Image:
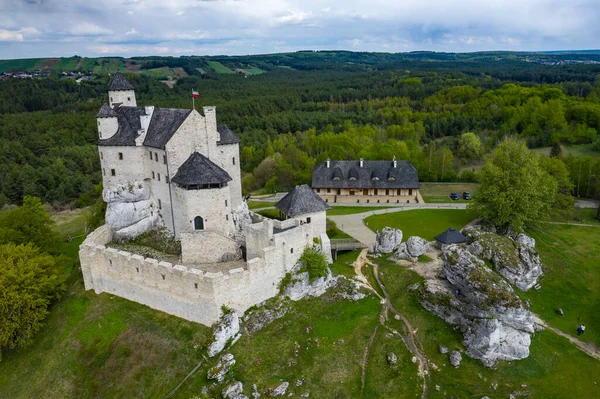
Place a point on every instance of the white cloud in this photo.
(89, 29)
(132, 32)
(10, 36)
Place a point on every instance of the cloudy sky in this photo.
(52, 28)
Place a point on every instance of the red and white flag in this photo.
(195, 94)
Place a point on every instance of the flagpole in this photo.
(193, 100)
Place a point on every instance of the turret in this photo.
(107, 122)
(121, 92)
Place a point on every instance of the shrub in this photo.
(315, 263)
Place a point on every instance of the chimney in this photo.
(328, 162)
(395, 162)
(361, 162)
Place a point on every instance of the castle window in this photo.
(150, 152)
(328, 190)
(159, 177)
(167, 179)
(318, 190)
(196, 285)
(307, 220)
(410, 191)
(101, 155)
(234, 160)
(225, 202)
(159, 204)
(137, 269)
(111, 99)
(128, 98)
(376, 192)
(153, 175)
(110, 261)
(226, 217)
(165, 159)
(198, 223)
(113, 172)
(104, 171)
(398, 192)
(163, 276)
(291, 250)
(156, 157)
(120, 156)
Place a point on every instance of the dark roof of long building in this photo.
(119, 83)
(373, 174)
(106, 112)
(163, 125)
(199, 170)
(129, 124)
(301, 200)
(451, 236)
(227, 136)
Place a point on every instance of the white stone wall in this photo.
(229, 159)
(157, 176)
(128, 169)
(213, 205)
(107, 127)
(206, 247)
(318, 222)
(124, 97)
(189, 138)
(187, 291)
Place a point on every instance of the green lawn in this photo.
(426, 223)
(445, 189)
(334, 232)
(578, 150)
(571, 279)
(66, 64)
(554, 369)
(349, 210)
(259, 204)
(580, 215)
(254, 70)
(272, 213)
(434, 199)
(27, 64)
(218, 67)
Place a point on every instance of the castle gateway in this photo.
(366, 182)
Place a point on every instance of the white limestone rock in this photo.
(496, 323)
(227, 328)
(222, 367)
(514, 258)
(455, 358)
(392, 358)
(387, 240)
(131, 192)
(261, 318)
(301, 286)
(280, 390)
(241, 218)
(416, 246)
(234, 391)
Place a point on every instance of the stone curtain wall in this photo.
(188, 292)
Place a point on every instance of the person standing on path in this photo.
(580, 329)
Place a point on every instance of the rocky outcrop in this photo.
(226, 330)
(130, 211)
(513, 257)
(410, 250)
(496, 323)
(455, 358)
(388, 240)
(234, 391)
(301, 286)
(262, 317)
(392, 358)
(222, 367)
(279, 390)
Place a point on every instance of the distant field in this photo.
(254, 70)
(24, 64)
(218, 67)
(109, 65)
(576, 150)
(164, 72)
(66, 64)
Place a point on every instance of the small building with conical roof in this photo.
(451, 236)
(303, 204)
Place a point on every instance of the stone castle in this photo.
(177, 169)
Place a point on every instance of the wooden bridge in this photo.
(345, 244)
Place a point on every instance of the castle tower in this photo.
(107, 122)
(120, 91)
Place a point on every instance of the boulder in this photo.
(455, 358)
(280, 390)
(388, 240)
(260, 318)
(301, 286)
(416, 246)
(443, 349)
(226, 329)
(514, 258)
(221, 368)
(234, 391)
(392, 358)
(496, 323)
(131, 192)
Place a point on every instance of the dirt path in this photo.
(408, 336)
(569, 223)
(587, 347)
(365, 360)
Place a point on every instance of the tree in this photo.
(28, 282)
(514, 189)
(556, 150)
(556, 168)
(29, 224)
(469, 146)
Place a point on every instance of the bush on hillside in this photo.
(315, 263)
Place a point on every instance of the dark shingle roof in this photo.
(451, 236)
(227, 136)
(373, 174)
(106, 112)
(163, 125)
(301, 200)
(119, 83)
(199, 170)
(129, 124)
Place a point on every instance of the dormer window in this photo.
(375, 178)
(391, 178)
(336, 178)
(352, 178)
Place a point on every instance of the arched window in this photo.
(198, 223)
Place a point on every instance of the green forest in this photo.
(444, 116)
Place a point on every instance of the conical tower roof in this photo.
(301, 200)
(106, 112)
(120, 83)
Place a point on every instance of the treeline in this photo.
(288, 120)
